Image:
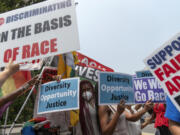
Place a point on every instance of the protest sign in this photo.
(144, 73)
(47, 73)
(88, 62)
(31, 65)
(37, 31)
(59, 96)
(115, 86)
(164, 64)
(87, 72)
(148, 88)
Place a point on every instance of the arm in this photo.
(136, 116)
(8, 71)
(107, 126)
(147, 121)
(174, 127)
(12, 96)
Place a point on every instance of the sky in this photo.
(122, 33)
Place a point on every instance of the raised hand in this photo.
(148, 105)
(11, 68)
(121, 107)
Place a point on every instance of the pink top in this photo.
(159, 110)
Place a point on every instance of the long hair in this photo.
(97, 106)
(84, 109)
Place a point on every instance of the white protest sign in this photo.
(37, 31)
(164, 64)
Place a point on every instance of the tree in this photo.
(7, 5)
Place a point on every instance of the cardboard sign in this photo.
(144, 73)
(148, 88)
(59, 96)
(37, 31)
(115, 86)
(164, 64)
(88, 62)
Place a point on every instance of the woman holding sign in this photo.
(88, 112)
(114, 120)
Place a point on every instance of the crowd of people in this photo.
(118, 119)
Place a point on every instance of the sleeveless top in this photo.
(134, 127)
(121, 126)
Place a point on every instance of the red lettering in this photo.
(171, 88)
(38, 49)
(26, 51)
(15, 53)
(168, 70)
(176, 80)
(174, 63)
(7, 55)
(53, 45)
(35, 50)
(43, 49)
(159, 74)
(178, 58)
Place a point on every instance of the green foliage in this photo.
(14, 108)
(7, 5)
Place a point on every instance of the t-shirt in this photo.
(171, 112)
(159, 110)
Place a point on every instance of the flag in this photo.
(12, 84)
(89, 62)
(66, 68)
(66, 64)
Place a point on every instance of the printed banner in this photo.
(87, 72)
(88, 62)
(37, 31)
(144, 73)
(115, 86)
(164, 64)
(59, 96)
(148, 88)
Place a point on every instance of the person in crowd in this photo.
(88, 114)
(12, 96)
(9, 70)
(161, 123)
(117, 123)
(174, 117)
(137, 126)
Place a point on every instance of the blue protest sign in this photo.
(148, 88)
(59, 96)
(145, 73)
(115, 86)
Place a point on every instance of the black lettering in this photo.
(54, 24)
(67, 20)
(14, 33)
(46, 26)
(38, 28)
(4, 36)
